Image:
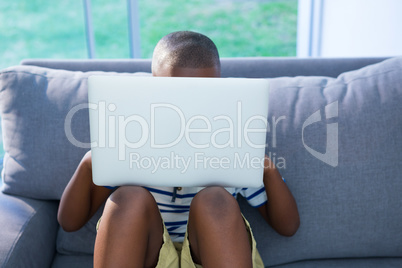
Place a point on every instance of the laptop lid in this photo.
(171, 131)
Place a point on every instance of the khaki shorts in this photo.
(176, 254)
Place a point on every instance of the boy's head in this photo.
(186, 54)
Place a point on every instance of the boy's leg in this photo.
(216, 230)
(130, 233)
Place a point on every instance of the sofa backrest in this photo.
(252, 67)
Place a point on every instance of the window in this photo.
(57, 29)
(41, 29)
(239, 28)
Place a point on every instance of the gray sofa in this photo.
(335, 134)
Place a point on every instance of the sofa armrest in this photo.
(28, 231)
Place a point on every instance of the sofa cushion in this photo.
(28, 230)
(34, 103)
(345, 263)
(338, 144)
(81, 241)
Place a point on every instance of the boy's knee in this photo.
(215, 202)
(133, 198)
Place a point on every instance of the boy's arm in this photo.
(281, 210)
(81, 198)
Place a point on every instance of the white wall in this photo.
(349, 28)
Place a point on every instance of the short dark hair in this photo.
(186, 49)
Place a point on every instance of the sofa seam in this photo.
(15, 242)
(365, 77)
(42, 75)
(5, 174)
(62, 76)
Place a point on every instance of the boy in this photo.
(139, 224)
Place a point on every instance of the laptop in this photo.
(177, 132)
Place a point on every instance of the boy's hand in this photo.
(81, 198)
(87, 159)
(268, 165)
(281, 210)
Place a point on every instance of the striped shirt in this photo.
(175, 210)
